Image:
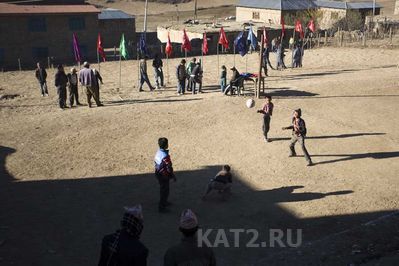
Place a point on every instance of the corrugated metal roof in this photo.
(304, 4)
(111, 13)
(278, 4)
(10, 9)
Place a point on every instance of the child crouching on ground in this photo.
(221, 182)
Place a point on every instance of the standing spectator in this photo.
(189, 251)
(196, 78)
(298, 135)
(266, 59)
(124, 246)
(157, 64)
(163, 172)
(296, 57)
(280, 57)
(189, 71)
(267, 112)
(61, 82)
(181, 75)
(73, 87)
(41, 76)
(86, 78)
(223, 79)
(144, 75)
(291, 43)
(97, 80)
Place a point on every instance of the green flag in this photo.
(123, 48)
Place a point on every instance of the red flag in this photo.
(100, 48)
(312, 26)
(205, 45)
(186, 45)
(168, 48)
(282, 27)
(299, 28)
(223, 39)
(265, 40)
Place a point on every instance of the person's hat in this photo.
(86, 64)
(188, 220)
(132, 220)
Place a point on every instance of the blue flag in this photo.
(143, 45)
(241, 44)
(252, 38)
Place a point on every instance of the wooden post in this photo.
(257, 91)
(325, 38)
(217, 52)
(19, 64)
(114, 52)
(167, 68)
(390, 34)
(138, 68)
(98, 60)
(364, 39)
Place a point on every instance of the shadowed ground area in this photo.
(66, 175)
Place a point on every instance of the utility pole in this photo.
(145, 16)
(195, 10)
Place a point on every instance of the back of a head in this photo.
(226, 168)
(163, 143)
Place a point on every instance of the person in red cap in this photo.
(124, 246)
(189, 252)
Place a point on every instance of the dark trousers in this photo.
(266, 125)
(144, 78)
(91, 92)
(194, 81)
(301, 141)
(163, 190)
(158, 73)
(43, 88)
(62, 95)
(73, 94)
(181, 86)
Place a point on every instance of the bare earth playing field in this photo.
(65, 175)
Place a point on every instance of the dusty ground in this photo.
(65, 175)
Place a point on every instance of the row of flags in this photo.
(241, 44)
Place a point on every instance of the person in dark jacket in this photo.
(196, 78)
(61, 81)
(164, 173)
(73, 87)
(181, 76)
(41, 76)
(157, 64)
(97, 80)
(124, 248)
(267, 112)
(298, 135)
(266, 59)
(189, 251)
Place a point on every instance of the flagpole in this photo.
(120, 70)
(234, 56)
(138, 69)
(98, 60)
(167, 67)
(217, 51)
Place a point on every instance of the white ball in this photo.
(250, 103)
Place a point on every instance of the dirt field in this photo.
(65, 175)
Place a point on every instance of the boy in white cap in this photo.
(124, 247)
(189, 252)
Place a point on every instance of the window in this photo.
(77, 23)
(255, 15)
(39, 52)
(37, 24)
(2, 56)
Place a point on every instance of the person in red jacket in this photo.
(164, 173)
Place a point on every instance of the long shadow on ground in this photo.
(61, 222)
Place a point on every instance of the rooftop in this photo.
(111, 13)
(10, 9)
(304, 4)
